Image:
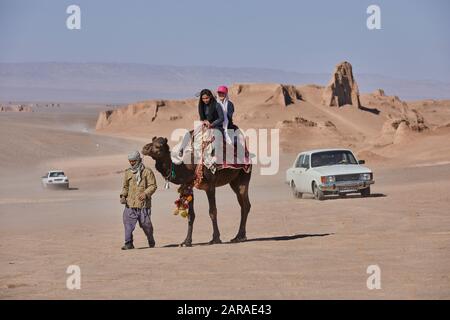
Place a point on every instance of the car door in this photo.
(306, 176)
(291, 171)
(296, 172)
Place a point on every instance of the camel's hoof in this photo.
(186, 244)
(215, 241)
(238, 239)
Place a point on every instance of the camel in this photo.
(184, 174)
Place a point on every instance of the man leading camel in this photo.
(138, 186)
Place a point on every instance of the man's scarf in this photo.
(137, 170)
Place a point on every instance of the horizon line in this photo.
(363, 73)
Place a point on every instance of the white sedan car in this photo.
(55, 178)
(329, 171)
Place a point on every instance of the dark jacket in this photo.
(230, 112)
(214, 114)
(211, 112)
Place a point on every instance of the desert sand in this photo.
(296, 248)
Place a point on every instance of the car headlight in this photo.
(365, 176)
(328, 179)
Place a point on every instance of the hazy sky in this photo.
(292, 35)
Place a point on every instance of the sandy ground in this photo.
(297, 248)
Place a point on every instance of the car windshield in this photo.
(56, 174)
(330, 158)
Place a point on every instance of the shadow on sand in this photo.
(354, 196)
(275, 238)
(58, 188)
(371, 110)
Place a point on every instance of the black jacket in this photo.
(211, 112)
(214, 114)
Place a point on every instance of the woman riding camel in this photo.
(211, 115)
(218, 114)
(210, 112)
(227, 110)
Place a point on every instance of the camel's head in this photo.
(156, 149)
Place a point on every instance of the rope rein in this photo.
(199, 169)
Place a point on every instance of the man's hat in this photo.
(135, 155)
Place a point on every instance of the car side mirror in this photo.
(361, 161)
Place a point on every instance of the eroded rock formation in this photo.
(342, 88)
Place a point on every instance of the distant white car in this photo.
(329, 171)
(55, 178)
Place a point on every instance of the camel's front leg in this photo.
(191, 217)
(211, 193)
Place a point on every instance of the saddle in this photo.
(207, 148)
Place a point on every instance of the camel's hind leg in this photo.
(211, 193)
(240, 187)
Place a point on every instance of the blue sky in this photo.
(303, 36)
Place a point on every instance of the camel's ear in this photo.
(154, 138)
(165, 140)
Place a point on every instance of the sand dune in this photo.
(297, 248)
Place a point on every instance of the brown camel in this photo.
(184, 174)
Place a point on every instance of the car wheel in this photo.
(365, 192)
(295, 193)
(318, 194)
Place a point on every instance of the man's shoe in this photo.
(151, 244)
(128, 246)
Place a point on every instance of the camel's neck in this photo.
(164, 166)
(175, 173)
